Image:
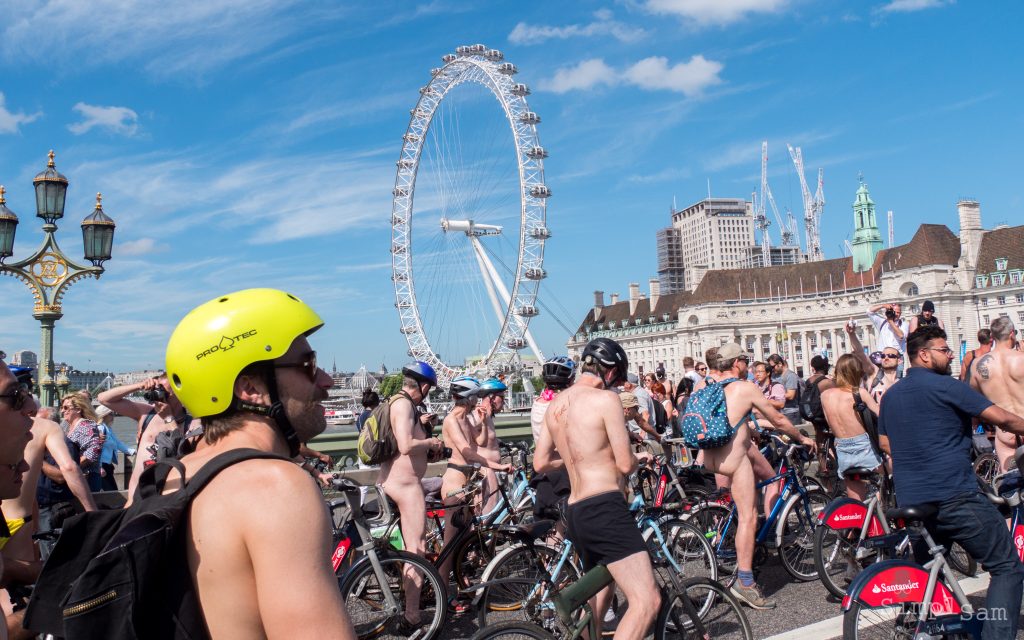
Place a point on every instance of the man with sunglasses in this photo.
(258, 531)
(925, 426)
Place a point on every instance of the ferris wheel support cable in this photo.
(487, 281)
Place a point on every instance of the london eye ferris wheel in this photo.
(468, 265)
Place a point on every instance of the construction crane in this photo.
(891, 233)
(813, 206)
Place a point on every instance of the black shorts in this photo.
(603, 529)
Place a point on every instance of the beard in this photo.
(946, 370)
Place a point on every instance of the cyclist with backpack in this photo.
(230, 540)
(400, 476)
(725, 404)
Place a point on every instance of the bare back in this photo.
(839, 412)
(999, 376)
(589, 432)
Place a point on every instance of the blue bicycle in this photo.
(788, 529)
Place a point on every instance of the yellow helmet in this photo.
(217, 339)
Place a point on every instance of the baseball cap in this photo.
(628, 399)
(928, 306)
(632, 379)
(732, 351)
(102, 411)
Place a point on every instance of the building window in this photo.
(1016, 277)
(1020, 297)
(1000, 264)
(1001, 299)
(998, 279)
(985, 321)
(984, 302)
(981, 281)
(1020, 316)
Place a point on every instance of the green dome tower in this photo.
(867, 241)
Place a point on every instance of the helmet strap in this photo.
(275, 412)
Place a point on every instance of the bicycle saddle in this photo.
(530, 531)
(913, 513)
(853, 472)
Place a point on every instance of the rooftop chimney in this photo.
(598, 303)
(970, 231)
(634, 296)
(615, 299)
(655, 292)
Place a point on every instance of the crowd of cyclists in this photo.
(645, 506)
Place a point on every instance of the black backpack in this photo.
(810, 401)
(123, 573)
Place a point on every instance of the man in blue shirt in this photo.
(925, 426)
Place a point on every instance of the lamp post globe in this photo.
(8, 226)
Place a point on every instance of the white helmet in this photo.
(464, 387)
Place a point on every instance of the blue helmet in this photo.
(558, 371)
(464, 387)
(421, 372)
(492, 386)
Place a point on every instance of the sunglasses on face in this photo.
(890, 356)
(308, 364)
(702, 368)
(17, 397)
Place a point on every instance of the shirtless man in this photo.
(734, 459)
(492, 402)
(153, 418)
(253, 569)
(984, 346)
(999, 376)
(854, 447)
(47, 437)
(458, 433)
(401, 476)
(585, 431)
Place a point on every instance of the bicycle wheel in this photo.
(363, 594)
(512, 631)
(896, 622)
(833, 551)
(797, 548)
(711, 520)
(523, 599)
(687, 547)
(475, 553)
(722, 620)
(961, 561)
(986, 467)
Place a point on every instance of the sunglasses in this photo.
(17, 397)
(702, 368)
(309, 365)
(890, 356)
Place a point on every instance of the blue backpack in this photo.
(706, 422)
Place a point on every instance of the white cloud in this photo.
(585, 75)
(120, 120)
(907, 6)
(189, 37)
(714, 12)
(10, 121)
(140, 247)
(689, 78)
(524, 33)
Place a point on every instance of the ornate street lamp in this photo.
(49, 273)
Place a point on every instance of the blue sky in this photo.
(249, 143)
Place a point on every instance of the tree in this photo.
(389, 386)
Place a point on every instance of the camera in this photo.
(890, 314)
(443, 454)
(156, 394)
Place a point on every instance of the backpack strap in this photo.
(210, 470)
(145, 424)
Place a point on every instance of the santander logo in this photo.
(840, 517)
(895, 588)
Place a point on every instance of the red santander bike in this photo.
(903, 599)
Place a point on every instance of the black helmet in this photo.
(558, 372)
(609, 353)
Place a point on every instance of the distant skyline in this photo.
(240, 143)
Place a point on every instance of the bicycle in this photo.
(851, 533)
(373, 587)
(677, 617)
(890, 596)
(789, 527)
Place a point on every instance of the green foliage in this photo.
(389, 386)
